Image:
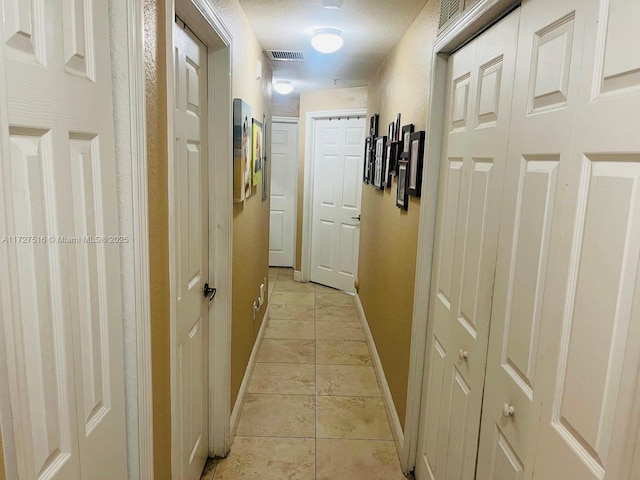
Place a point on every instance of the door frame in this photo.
(293, 121)
(129, 110)
(470, 24)
(209, 27)
(309, 163)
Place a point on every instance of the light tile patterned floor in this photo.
(314, 410)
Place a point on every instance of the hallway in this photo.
(314, 409)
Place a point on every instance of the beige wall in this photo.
(156, 104)
(388, 235)
(251, 218)
(336, 99)
(285, 106)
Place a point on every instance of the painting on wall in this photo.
(379, 165)
(256, 154)
(241, 150)
(402, 195)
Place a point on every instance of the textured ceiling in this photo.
(370, 29)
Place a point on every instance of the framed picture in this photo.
(402, 196)
(379, 163)
(416, 160)
(393, 149)
(391, 134)
(242, 134)
(387, 178)
(373, 125)
(407, 130)
(396, 130)
(257, 155)
(265, 156)
(366, 172)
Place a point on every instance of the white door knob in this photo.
(508, 410)
(463, 354)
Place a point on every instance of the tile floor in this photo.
(313, 410)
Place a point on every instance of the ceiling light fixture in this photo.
(327, 40)
(283, 87)
(332, 4)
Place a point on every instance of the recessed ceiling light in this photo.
(333, 4)
(283, 87)
(327, 40)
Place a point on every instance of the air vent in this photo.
(285, 56)
(449, 9)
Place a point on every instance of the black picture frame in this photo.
(387, 177)
(379, 163)
(416, 161)
(402, 195)
(405, 140)
(366, 173)
(393, 151)
(391, 133)
(373, 125)
(397, 128)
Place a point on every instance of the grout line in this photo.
(315, 426)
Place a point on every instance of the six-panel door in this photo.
(60, 263)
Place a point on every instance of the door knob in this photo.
(356, 218)
(209, 292)
(463, 354)
(508, 410)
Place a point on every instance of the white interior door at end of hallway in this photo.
(284, 172)
(191, 255)
(479, 91)
(61, 291)
(337, 189)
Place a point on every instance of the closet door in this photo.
(473, 165)
(545, 103)
(590, 424)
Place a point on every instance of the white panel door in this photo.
(190, 204)
(284, 172)
(337, 188)
(478, 108)
(59, 243)
(590, 422)
(550, 49)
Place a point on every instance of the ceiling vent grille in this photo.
(449, 9)
(285, 55)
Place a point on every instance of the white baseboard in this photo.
(297, 275)
(392, 413)
(237, 408)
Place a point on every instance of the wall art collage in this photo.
(399, 154)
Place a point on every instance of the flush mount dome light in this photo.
(332, 4)
(327, 40)
(283, 87)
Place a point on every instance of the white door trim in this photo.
(140, 225)
(205, 22)
(285, 120)
(469, 24)
(307, 208)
